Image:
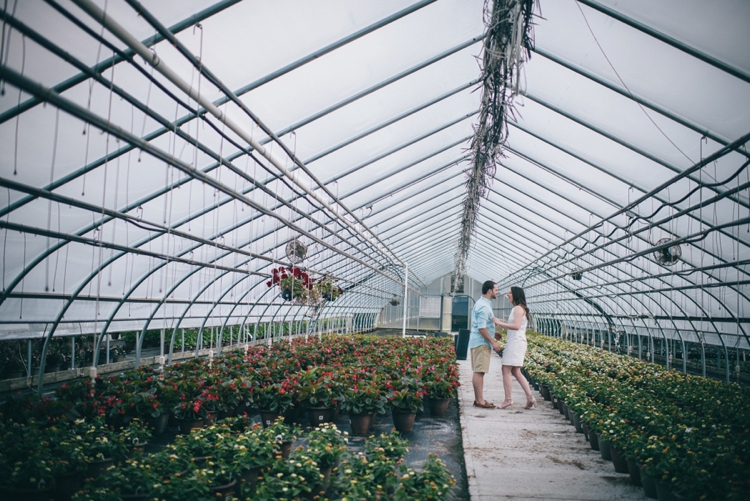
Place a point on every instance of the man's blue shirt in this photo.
(481, 316)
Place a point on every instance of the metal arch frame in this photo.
(108, 63)
(667, 39)
(556, 224)
(165, 130)
(652, 277)
(535, 199)
(622, 142)
(681, 173)
(17, 80)
(543, 167)
(94, 11)
(622, 210)
(629, 95)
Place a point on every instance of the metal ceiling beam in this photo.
(125, 36)
(736, 72)
(686, 173)
(580, 70)
(126, 54)
(391, 121)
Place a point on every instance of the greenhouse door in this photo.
(460, 316)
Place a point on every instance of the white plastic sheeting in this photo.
(377, 100)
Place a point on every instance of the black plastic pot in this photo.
(635, 472)
(575, 420)
(594, 440)
(649, 486)
(605, 450)
(663, 491)
(545, 392)
(618, 459)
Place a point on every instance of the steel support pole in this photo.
(406, 297)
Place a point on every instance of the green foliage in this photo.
(326, 445)
(290, 479)
(688, 431)
(391, 446)
(434, 482)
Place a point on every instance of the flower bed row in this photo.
(680, 433)
(233, 459)
(360, 375)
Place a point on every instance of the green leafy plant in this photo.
(135, 433)
(390, 445)
(326, 445)
(365, 397)
(290, 479)
(434, 482)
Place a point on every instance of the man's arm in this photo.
(486, 335)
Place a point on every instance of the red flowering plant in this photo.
(318, 387)
(365, 397)
(295, 285)
(277, 397)
(191, 409)
(406, 395)
(441, 381)
(212, 400)
(230, 393)
(146, 404)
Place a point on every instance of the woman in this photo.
(515, 347)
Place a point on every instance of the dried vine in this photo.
(507, 45)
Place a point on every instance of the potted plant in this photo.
(390, 445)
(295, 478)
(433, 482)
(190, 415)
(134, 479)
(282, 435)
(441, 384)
(26, 464)
(101, 447)
(405, 402)
(273, 400)
(319, 392)
(252, 451)
(362, 401)
(326, 445)
(295, 284)
(328, 289)
(135, 436)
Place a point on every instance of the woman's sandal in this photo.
(506, 404)
(485, 405)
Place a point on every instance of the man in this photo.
(480, 341)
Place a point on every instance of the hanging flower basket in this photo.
(295, 285)
(328, 289)
(394, 302)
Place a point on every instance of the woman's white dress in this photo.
(515, 343)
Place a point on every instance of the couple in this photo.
(480, 341)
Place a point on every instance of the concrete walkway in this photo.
(530, 454)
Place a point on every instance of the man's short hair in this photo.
(487, 286)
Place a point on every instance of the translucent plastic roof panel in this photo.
(161, 195)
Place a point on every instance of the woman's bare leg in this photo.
(521, 380)
(507, 383)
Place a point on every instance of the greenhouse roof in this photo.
(158, 158)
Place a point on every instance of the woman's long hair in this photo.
(519, 299)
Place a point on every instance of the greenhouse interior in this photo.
(286, 224)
